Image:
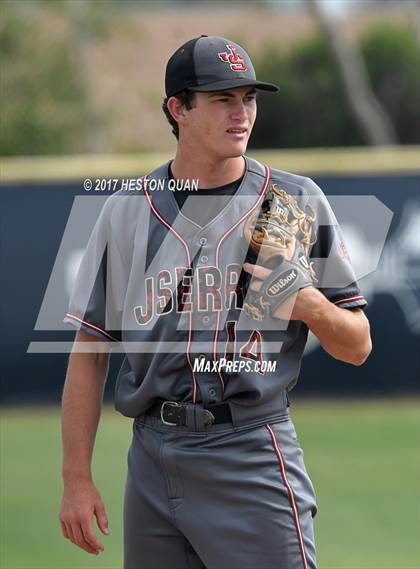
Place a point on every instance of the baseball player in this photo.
(210, 277)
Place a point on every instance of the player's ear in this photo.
(177, 109)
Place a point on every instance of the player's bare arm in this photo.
(343, 333)
(81, 409)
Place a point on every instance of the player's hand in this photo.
(81, 502)
(299, 306)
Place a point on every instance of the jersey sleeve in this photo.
(96, 303)
(331, 261)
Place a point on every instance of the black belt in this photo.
(184, 414)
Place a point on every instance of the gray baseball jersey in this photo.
(171, 292)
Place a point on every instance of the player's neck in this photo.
(210, 173)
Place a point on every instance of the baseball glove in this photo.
(279, 237)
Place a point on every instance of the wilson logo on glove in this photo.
(282, 282)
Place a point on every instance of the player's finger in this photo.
(257, 271)
(101, 518)
(89, 535)
(64, 530)
(70, 533)
(256, 284)
(81, 541)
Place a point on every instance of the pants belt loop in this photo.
(190, 416)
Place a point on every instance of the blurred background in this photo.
(81, 86)
(87, 77)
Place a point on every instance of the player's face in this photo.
(220, 123)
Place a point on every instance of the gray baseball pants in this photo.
(227, 498)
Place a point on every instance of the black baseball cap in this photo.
(211, 63)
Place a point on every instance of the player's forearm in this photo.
(82, 401)
(343, 333)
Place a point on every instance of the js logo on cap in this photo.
(237, 62)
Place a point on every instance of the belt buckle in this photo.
(162, 407)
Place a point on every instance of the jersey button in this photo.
(204, 259)
(203, 240)
(212, 394)
(206, 319)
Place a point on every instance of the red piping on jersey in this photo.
(91, 326)
(351, 298)
(291, 495)
(267, 173)
(168, 226)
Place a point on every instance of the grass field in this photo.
(363, 458)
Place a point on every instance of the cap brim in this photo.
(234, 83)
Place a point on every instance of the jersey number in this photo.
(252, 349)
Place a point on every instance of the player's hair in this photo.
(186, 97)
